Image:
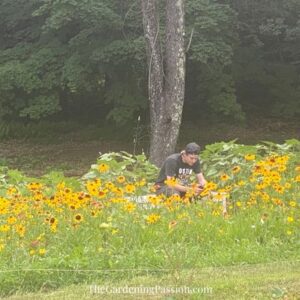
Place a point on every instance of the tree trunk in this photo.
(165, 85)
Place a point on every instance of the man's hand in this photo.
(199, 188)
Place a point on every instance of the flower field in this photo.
(56, 231)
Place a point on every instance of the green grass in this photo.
(280, 280)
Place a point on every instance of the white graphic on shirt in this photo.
(184, 174)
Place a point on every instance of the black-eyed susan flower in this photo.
(236, 169)
(78, 218)
(121, 179)
(130, 188)
(224, 177)
(103, 168)
(129, 207)
(153, 218)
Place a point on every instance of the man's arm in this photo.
(179, 187)
(201, 180)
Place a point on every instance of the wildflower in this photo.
(249, 157)
(290, 219)
(238, 203)
(103, 168)
(109, 185)
(153, 218)
(292, 203)
(142, 182)
(102, 193)
(32, 252)
(130, 188)
(20, 229)
(154, 199)
(171, 182)
(129, 207)
(281, 168)
(121, 179)
(241, 183)
(42, 251)
(78, 218)
(287, 185)
(224, 177)
(4, 228)
(236, 169)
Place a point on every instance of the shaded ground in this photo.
(74, 153)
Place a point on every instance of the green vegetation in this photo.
(56, 231)
(71, 59)
(263, 281)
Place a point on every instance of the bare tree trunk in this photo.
(166, 89)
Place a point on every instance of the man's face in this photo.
(189, 159)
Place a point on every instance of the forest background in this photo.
(73, 77)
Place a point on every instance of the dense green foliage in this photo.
(73, 58)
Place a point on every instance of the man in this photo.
(180, 166)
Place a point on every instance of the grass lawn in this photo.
(278, 280)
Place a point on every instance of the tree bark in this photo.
(166, 78)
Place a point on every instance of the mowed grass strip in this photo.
(278, 280)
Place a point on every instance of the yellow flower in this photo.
(241, 183)
(154, 199)
(236, 169)
(78, 218)
(130, 188)
(293, 203)
(114, 231)
(224, 177)
(42, 251)
(287, 185)
(20, 229)
(153, 218)
(142, 182)
(249, 156)
(121, 179)
(102, 168)
(281, 168)
(32, 252)
(171, 182)
(239, 204)
(4, 228)
(130, 207)
(102, 193)
(290, 219)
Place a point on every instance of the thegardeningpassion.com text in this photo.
(149, 290)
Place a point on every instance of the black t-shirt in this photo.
(175, 167)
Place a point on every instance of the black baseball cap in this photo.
(192, 148)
